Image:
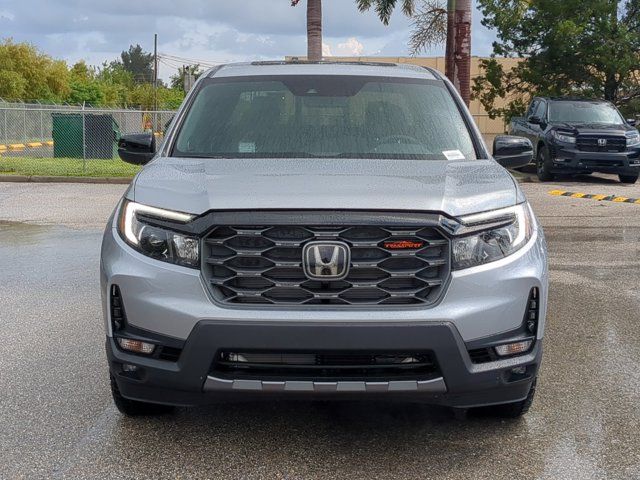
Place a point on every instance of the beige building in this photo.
(489, 128)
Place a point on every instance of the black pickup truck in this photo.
(579, 136)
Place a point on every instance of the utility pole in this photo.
(188, 78)
(155, 80)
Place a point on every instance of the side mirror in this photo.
(137, 148)
(534, 120)
(632, 121)
(512, 152)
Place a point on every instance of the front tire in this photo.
(134, 408)
(628, 178)
(513, 410)
(544, 165)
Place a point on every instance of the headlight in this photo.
(633, 139)
(563, 137)
(156, 242)
(503, 232)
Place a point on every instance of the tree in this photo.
(139, 63)
(84, 88)
(574, 47)
(384, 8)
(28, 74)
(116, 83)
(429, 26)
(314, 29)
(458, 51)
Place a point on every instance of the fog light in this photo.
(513, 348)
(127, 367)
(136, 346)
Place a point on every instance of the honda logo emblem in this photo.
(602, 142)
(326, 260)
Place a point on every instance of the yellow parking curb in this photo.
(3, 147)
(16, 146)
(34, 144)
(593, 196)
(48, 143)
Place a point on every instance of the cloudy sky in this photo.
(209, 31)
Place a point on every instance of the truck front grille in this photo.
(589, 143)
(389, 265)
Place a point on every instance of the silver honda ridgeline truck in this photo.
(323, 230)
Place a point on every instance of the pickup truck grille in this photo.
(262, 265)
(589, 143)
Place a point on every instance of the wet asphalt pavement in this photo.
(57, 419)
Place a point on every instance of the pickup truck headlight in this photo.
(156, 242)
(500, 233)
(633, 139)
(563, 137)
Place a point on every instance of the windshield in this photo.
(584, 112)
(324, 116)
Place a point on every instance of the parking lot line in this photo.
(593, 196)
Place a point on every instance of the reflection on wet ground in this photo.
(58, 421)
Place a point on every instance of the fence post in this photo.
(84, 142)
(24, 123)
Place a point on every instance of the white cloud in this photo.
(326, 50)
(352, 47)
(4, 15)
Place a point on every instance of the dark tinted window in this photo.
(541, 109)
(324, 116)
(584, 112)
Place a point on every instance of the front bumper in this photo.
(192, 381)
(168, 302)
(571, 160)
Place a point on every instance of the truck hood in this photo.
(594, 128)
(197, 186)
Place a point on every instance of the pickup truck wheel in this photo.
(628, 178)
(512, 410)
(134, 408)
(543, 165)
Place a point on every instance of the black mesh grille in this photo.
(263, 265)
(590, 143)
(325, 365)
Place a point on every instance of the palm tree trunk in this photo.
(314, 30)
(462, 72)
(449, 56)
(458, 54)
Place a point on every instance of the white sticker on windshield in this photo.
(453, 155)
(246, 147)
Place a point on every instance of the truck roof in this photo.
(298, 67)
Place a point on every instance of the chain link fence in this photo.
(69, 140)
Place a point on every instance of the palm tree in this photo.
(428, 28)
(314, 29)
(384, 8)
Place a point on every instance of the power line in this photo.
(193, 61)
